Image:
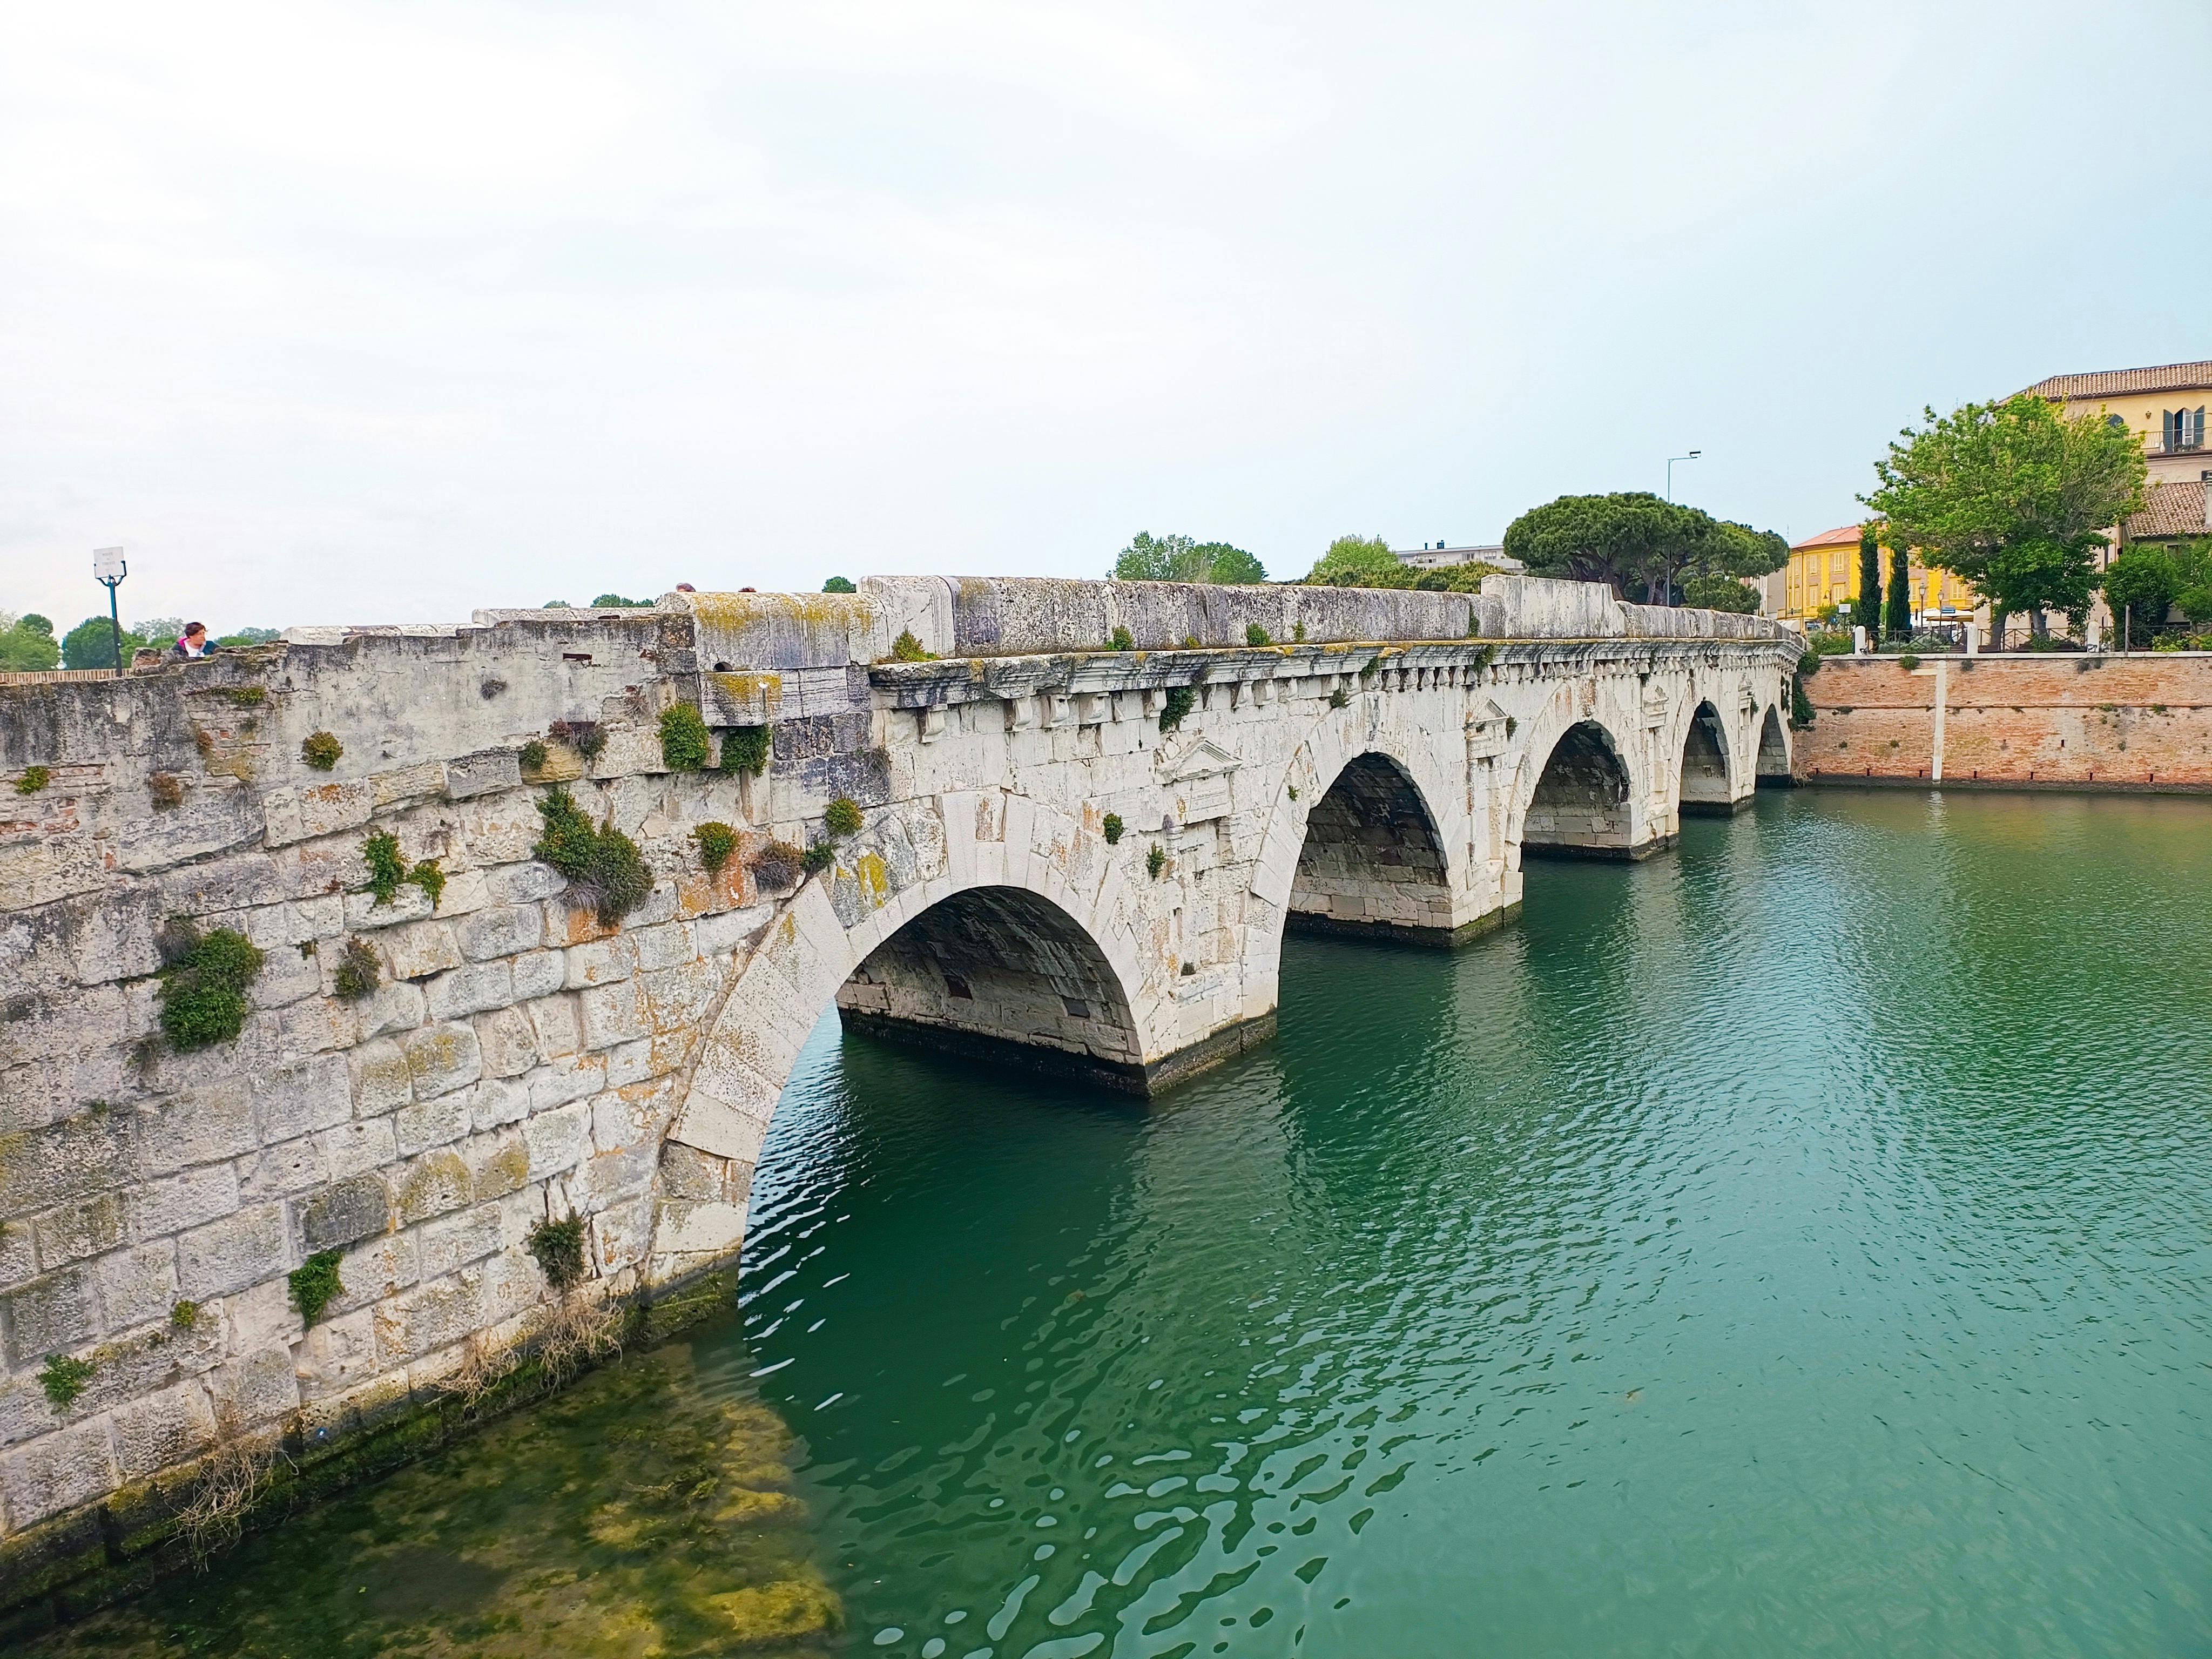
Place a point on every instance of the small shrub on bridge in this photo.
(1298, 633)
(203, 988)
(716, 842)
(1122, 639)
(582, 736)
(321, 749)
(167, 790)
(841, 818)
(818, 857)
(744, 750)
(559, 1248)
(907, 648)
(358, 971)
(1908, 660)
(1340, 698)
(314, 1283)
(684, 745)
(387, 868)
(533, 755)
(1154, 861)
(1111, 825)
(778, 864)
(1181, 699)
(1255, 635)
(64, 1379)
(34, 779)
(604, 867)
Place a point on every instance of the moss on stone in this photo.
(314, 1283)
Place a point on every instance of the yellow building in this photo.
(2164, 407)
(1824, 570)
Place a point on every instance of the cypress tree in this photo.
(1897, 617)
(1868, 611)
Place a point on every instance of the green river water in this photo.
(1799, 1244)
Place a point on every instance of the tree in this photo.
(1719, 593)
(1634, 540)
(252, 636)
(155, 633)
(839, 585)
(2013, 497)
(616, 600)
(1360, 561)
(2140, 587)
(1897, 617)
(1868, 611)
(27, 644)
(91, 644)
(1150, 558)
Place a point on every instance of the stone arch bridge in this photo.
(1070, 856)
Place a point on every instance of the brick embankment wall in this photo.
(2062, 720)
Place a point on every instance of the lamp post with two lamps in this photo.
(109, 568)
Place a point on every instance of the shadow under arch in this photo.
(1773, 767)
(1373, 862)
(1002, 975)
(1580, 805)
(1707, 787)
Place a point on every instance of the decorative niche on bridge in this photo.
(1485, 731)
(1197, 782)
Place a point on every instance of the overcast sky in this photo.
(378, 313)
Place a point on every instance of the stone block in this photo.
(557, 1139)
(231, 1254)
(609, 1177)
(459, 1240)
(198, 1127)
(376, 1268)
(57, 1472)
(442, 1058)
(502, 930)
(394, 1005)
(237, 883)
(601, 961)
(630, 1062)
(470, 990)
(484, 772)
(553, 1024)
(433, 1184)
(731, 930)
(282, 1171)
(420, 949)
(621, 1234)
(344, 1212)
(571, 1078)
(521, 883)
(699, 1229)
(497, 1101)
(257, 1386)
(138, 1286)
(432, 1122)
(432, 1316)
(539, 974)
(611, 1014)
(114, 937)
(313, 1025)
(78, 1157)
(380, 1079)
(77, 1230)
(409, 904)
(498, 1164)
(665, 946)
(162, 1430)
(508, 1044)
(687, 1172)
(311, 1094)
(50, 1316)
(19, 1256)
(355, 1148)
(178, 1202)
(286, 976)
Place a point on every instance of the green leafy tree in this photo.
(1868, 611)
(160, 633)
(1719, 593)
(252, 636)
(91, 644)
(839, 585)
(2013, 497)
(1150, 558)
(1635, 542)
(616, 600)
(1897, 607)
(1361, 561)
(27, 645)
(2140, 587)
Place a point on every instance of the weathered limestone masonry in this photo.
(1082, 857)
(2142, 721)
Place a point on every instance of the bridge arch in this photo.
(1583, 788)
(1773, 761)
(990, 899)
(1708, 764)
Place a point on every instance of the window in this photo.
(2183, 428)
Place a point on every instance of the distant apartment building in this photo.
(2164, 407)
(1824, 570)
(1439, 557)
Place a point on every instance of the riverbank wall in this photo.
(2071, 721)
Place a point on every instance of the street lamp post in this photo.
(109, 568)
(1671, 460)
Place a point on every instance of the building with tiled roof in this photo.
(2164, 406)
(1824, 570)
(2176, 511)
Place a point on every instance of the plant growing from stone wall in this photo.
(716, 842)
(167, 790)
(819, 856)
(841, 818)
(314, 1282)
(1154, 861)
(1122, 639)
(559, 1248)
(64, 1379)
(358, 971)
(778, 864)
(684, 745)
(1178, 703)
(907, 648)
(204, 985)
(1111, 827)
(603, 866)
(34, 779)
(321, 749)
(744, 750)
(585, 737)
(1340, 698)
(184, 1316)
(1255, 635)
(532, 755)
(388, 868)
